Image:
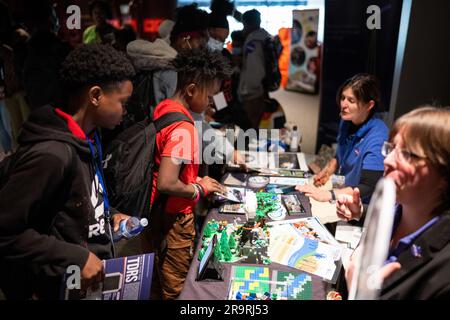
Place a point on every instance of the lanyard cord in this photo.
(97, 162)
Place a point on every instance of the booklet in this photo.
(233, 208)
(231, 194)
(293, 204)
(126, 278)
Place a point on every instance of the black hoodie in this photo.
(51, 209)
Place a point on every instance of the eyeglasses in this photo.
(402, 154)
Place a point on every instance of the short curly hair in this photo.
(94, 64)
(200, 66)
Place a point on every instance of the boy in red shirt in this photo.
(200, 73)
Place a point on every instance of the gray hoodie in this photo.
(253, 66)
(155, 56)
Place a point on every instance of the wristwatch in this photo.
(333, 197)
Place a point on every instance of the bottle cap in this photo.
(144, 222)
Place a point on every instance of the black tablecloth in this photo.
(218, 290)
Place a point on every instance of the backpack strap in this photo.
(161, 123)
(170, 118)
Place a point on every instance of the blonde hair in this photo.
(426, 132)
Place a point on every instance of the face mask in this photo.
(215, 45)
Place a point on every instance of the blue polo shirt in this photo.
(360, 150)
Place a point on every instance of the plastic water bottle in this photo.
(294, 140)
(130, 228)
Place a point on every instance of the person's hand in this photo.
(385, 271)
(349, 207)
(322, 177)
(238, 158)
(92, 273)
(211, 185)
(117, 218)
(315, 193)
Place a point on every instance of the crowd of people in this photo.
(61, 107)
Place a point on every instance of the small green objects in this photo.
(208, 232)
(224, 242)
(225, 248)
(266, 260)
(201, 254)
(267, 202)
(217, 252)
(232, 241)
(214, 224)
(260, 243)
(227, 255)
(274, 296)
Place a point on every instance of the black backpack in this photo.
(272, 49)
(129, 164)
(142, 102)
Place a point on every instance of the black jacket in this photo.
(424, 276)
(51, 209)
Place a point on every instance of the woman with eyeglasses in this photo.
(417, 159)
(360, 137)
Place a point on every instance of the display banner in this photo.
(304, 63)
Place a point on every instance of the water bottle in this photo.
(130, 228)
(294, 140)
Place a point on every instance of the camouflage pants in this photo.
(173, 253)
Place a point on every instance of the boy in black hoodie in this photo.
(53, 210)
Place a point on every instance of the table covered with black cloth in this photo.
(218, 290)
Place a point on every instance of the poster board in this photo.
(304, 62)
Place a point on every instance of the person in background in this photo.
(252, 92)
(237, 42)
(101, 31)
(153, 64)
(360, 138)
(123, 37)
(45, 54)
(13, 107)
(218, 32)
(54, 211)
(240, 117)
(189, 31)
(218, 29)
(176, 185)
(8, 81)
(164, 30)
(417, 159)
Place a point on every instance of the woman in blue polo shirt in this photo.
(360, 138)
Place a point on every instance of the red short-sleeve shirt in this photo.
(179, 140)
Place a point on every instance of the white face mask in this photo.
(215, 45)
